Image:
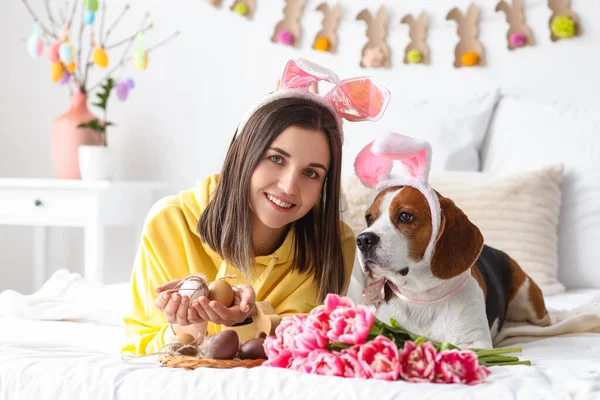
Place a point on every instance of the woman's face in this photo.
(286, 184)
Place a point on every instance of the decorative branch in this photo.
(63, 13)
(132, 37)
(123, 58)
(114, 24)
(50, 16)
(72, 13)
(79, 66)
(36, 19)
(102, 23)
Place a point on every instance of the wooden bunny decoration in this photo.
(417, 50)
(326, 38)
(564, 23)
(519, 34)
(244, 7)
(376, 53)
(288, 30)
(469, 50)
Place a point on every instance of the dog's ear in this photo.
(458, 242)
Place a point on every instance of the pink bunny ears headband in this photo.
(354, 99)
(373, 166)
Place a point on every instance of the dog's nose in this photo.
(366, 240)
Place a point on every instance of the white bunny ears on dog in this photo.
(375, 161)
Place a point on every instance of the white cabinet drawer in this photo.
(43, 206)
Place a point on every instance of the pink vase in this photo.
(66, 137)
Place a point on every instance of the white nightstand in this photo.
(90, 205)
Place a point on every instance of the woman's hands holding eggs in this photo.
(242, 307)
(224, 305)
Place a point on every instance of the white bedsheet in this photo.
(80, 360)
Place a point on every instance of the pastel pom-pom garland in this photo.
(470, 59)
(563, 26)
(241, 8)
(518, 39)
(285, 37)
(414, 56)
(322, 44)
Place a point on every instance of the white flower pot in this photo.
(96, 163)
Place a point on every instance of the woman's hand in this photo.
(243, 306)
(176, 307)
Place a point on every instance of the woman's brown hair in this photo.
(225, 224)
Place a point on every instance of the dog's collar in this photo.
(375, 292)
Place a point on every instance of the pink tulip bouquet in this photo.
(340, 339)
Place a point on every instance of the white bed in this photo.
(44, 356)
(42, 359)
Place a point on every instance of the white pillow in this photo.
(516, 214)
(454, 124)
(528, 134)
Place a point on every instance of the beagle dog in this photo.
(429, 267)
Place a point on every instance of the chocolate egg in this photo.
(221, 291)
(253, 349)
(222, 346)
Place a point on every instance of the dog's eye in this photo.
(406, 217)
(369, 219)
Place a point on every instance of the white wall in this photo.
(180, 117)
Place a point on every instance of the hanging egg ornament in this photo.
(53, 52)
(140, 56)
(122, 90)
(130, 84)
(91, 5)
(89, 17)
(100, 57)
(140, 60)
(35, 46)
(57, 71)
(65, 78)
(66, 52)
(71, 67)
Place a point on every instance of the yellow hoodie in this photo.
(171, 249)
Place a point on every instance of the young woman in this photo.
(271, 217)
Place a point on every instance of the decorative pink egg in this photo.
(285, 37)
(518, 39)
(53, 52)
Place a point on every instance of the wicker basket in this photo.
(189, 362)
